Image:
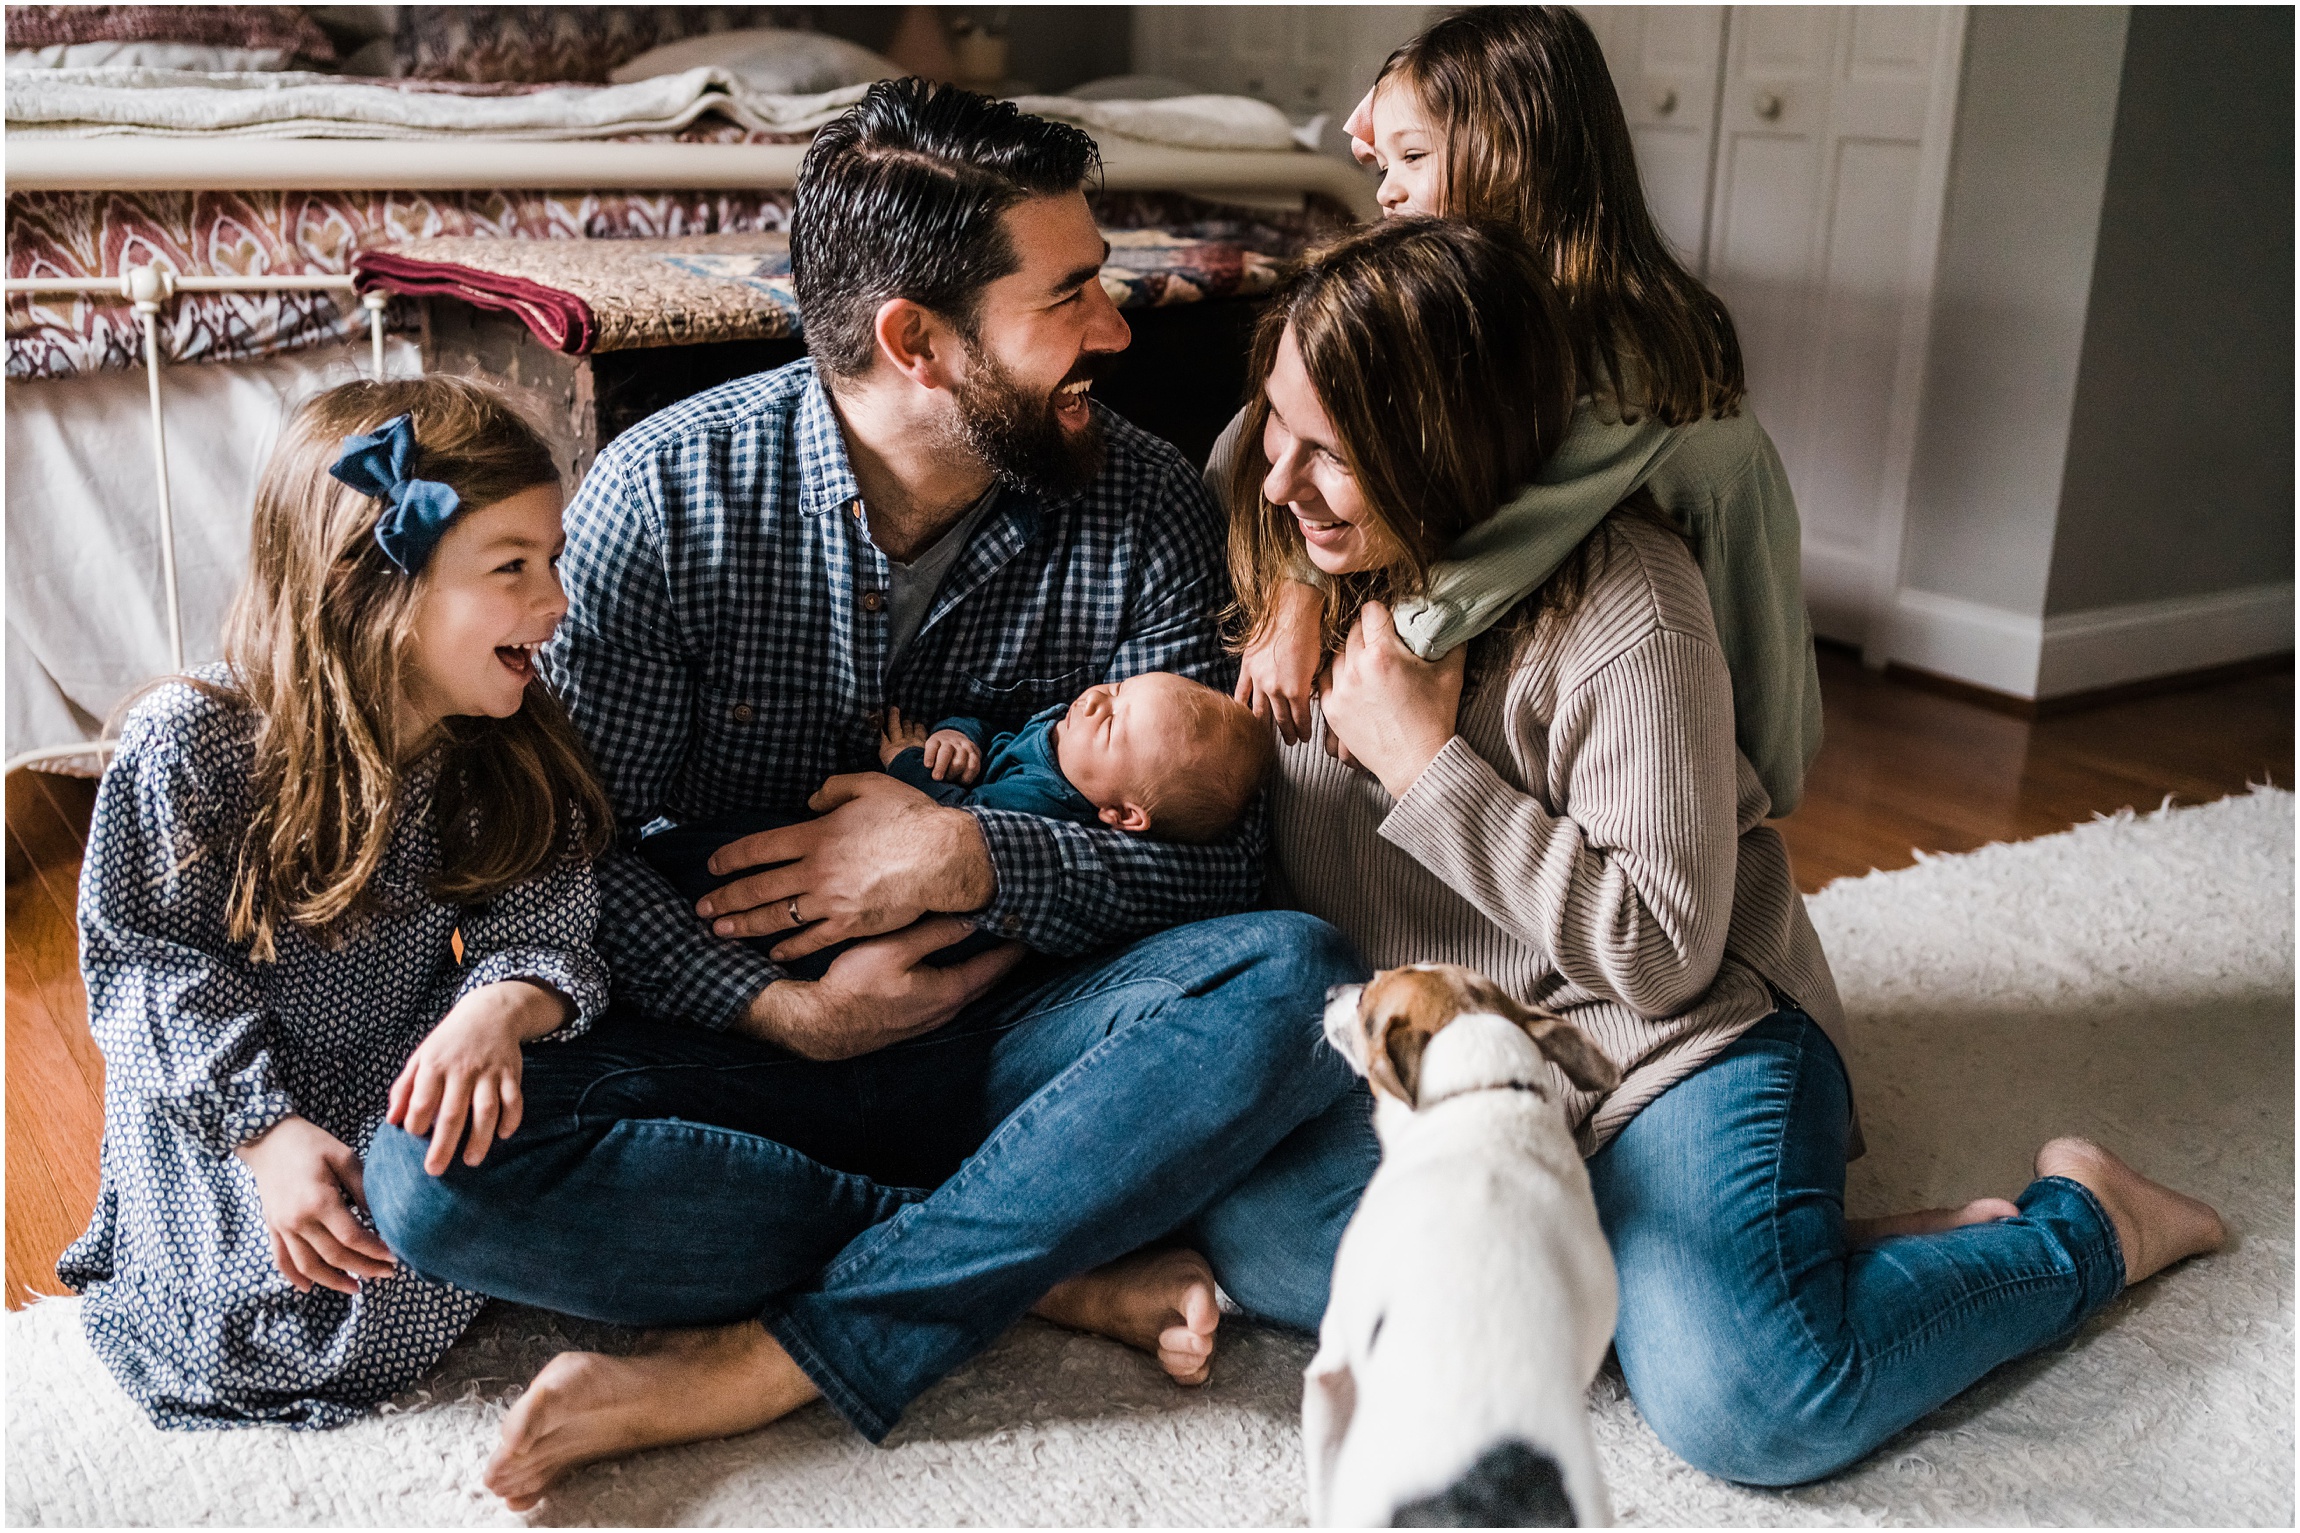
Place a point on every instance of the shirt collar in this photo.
(826, 479)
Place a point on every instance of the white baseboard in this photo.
(2036, 658)
(2109, 646)
(1840, 588)
(1966, 641)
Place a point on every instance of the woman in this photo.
(1562, 806)
(1507, 114)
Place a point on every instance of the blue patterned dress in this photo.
(205, 1049)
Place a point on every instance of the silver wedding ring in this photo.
(792, 905)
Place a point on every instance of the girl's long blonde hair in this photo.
(319, 643)
(1536, 138)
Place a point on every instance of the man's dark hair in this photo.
(903, 197)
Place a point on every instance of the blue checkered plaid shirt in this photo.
(725, 649)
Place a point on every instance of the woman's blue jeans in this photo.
(1755, 1344)
(886, 1217)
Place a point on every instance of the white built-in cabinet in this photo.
(1796, 156)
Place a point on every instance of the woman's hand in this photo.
(952, 757)
(309, 1182)
(465, 1073)
(1278, 673)
(1387, 708)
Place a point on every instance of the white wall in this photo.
(2102, 486)
(2036, 118)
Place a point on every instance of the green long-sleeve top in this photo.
(1722, 484)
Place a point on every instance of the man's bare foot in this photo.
(585, 1405)
(2155, 1225)
(1928, 1221)
(1161, 1302)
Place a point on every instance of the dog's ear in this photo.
(1566, 1047)
(1394, 1048)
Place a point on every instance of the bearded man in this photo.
(849, 1185)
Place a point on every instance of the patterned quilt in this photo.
(1215, 250)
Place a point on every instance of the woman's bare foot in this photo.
(1161, 1302)
(585, 1405)
(1928, 1221)
(2155, 1225)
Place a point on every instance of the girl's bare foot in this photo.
(2155, 1225)
(585, 1405)
(1161, 1302)
(1928, 1221)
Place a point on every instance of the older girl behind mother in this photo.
(1562, 806)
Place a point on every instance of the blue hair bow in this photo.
(416, 511)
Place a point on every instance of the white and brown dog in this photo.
(1474, 1294)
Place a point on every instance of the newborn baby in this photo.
(1155, 754)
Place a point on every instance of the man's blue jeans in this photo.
(887, 1217)
(1755, 1344)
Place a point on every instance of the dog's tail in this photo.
(1512, 1485)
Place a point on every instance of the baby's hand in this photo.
(1278, 673)
(466, 1072)
(952, 757)
(897, 736)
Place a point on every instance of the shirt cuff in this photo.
(223, 1115)
(583, 983)
(1027, 865)
(1449, 804)
(716, 985)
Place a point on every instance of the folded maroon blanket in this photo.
(559, 319)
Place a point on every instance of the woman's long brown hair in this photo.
(1441, 355)
(1535, 138)
(319, 644)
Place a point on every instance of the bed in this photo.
(233, 173)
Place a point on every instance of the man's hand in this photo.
(952, 757)
(309, 1181)
(882, 855)
(466, 1071)
(897, 735)
(876, 993)
(1278, 673)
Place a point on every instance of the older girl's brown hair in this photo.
(1535, 138)
(1441, 356)
(319, 644)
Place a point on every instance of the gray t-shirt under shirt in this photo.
(910, 587)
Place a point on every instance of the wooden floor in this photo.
(1902, 770)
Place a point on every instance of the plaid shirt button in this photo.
(741, 713)
(873, 601)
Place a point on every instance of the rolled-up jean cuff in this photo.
(836, 1392)
(2069, 1209)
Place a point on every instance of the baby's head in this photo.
(1160, 754)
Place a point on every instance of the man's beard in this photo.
(1017, 434)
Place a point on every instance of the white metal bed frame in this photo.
(149, 287)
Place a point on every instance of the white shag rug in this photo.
(2131, 980)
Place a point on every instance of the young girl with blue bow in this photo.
(286, 849)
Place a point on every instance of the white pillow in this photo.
(769, 60)
(149, 55)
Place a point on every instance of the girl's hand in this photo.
(1360, 128)
(1388, 708)
(466, 1072)
(309, 1182)
(1278, 673)
(896, 736)
(952, 757)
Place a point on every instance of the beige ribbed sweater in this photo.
(1590, 839)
